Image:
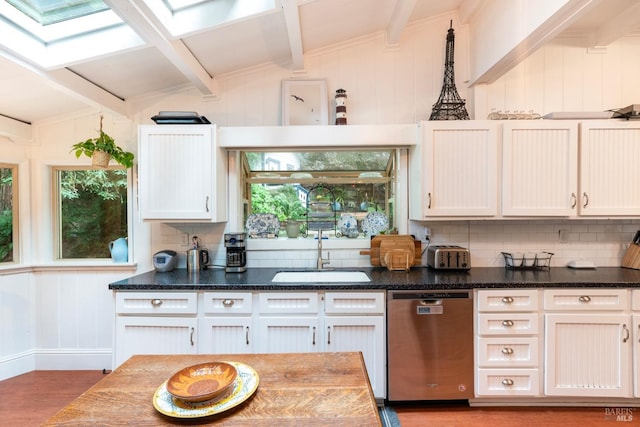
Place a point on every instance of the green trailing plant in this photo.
(106, 144)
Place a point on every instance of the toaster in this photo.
(448, 257)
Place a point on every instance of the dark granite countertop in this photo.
(383, 279)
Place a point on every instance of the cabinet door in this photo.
(609, 154)
(179, 174)
(457, 170)
(289, 334)
(221, 334)
(154, 335)
(588, 355)
(540, 168)
(636, 353)
(364, 334)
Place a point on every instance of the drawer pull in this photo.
(507, 382)
(627, 333)
(328, 335)
(584, 299)
(507, 323)
(156, 302)
(227, 302)
(507, 350)
(247, 336)
(507, 300)
(193, 330)
(314, 336)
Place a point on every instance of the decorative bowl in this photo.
(201, 382)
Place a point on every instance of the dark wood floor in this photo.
(30, 399)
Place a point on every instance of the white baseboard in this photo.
(73, 359)
(17, 364)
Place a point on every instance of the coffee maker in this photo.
(236, 252)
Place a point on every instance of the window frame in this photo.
(15, 201)
(57, 213)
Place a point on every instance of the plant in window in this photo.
(102, 149)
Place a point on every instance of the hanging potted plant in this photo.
(102, 149)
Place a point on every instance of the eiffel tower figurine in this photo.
(449, 105)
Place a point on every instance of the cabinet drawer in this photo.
(508, 382)
(354, 302)
(585, 299)
(156, 303)
(228, 302)
(508, 323)
(508, 352)
(288, 303)
(635, 300)
(508, 300)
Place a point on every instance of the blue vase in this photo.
(119, 250)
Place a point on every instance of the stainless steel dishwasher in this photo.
(430, 345)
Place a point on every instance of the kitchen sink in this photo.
(320, 277)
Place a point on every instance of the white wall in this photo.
(54, 316)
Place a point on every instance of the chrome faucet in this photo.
(321, 262)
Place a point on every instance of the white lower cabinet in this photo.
(354, 321)
(588, 345)
(227, 323)
(223, 322)
(635, 306)
(507, 344)
(155, 323)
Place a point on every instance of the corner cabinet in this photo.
(454, 170)
(182, 174)
(155, 323)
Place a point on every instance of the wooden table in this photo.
(296, 389)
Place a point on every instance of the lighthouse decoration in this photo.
(341, 107)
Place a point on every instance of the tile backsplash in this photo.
(601, 241)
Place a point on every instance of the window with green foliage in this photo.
(8, 212)
(358, 182)
(91, 211)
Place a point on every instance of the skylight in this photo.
(46, 12)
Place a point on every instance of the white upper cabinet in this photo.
(540, 168)
(609, 174)
(454, 170)
(182, 175)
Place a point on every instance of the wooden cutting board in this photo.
(392, 241)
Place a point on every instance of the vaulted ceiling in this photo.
(154, 49)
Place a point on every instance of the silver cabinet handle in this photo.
(507, 300)
(627, 333)
(247, 336)
(507, 350)
(206, 204)
(328, 334)
(507, 323)
(507, 382)
(193, 330)
(574, 200)
(584, 299)
(313, 339)
(638, 333)
(227, 302)
(156, 302)
(429, 199)
(585, 196)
